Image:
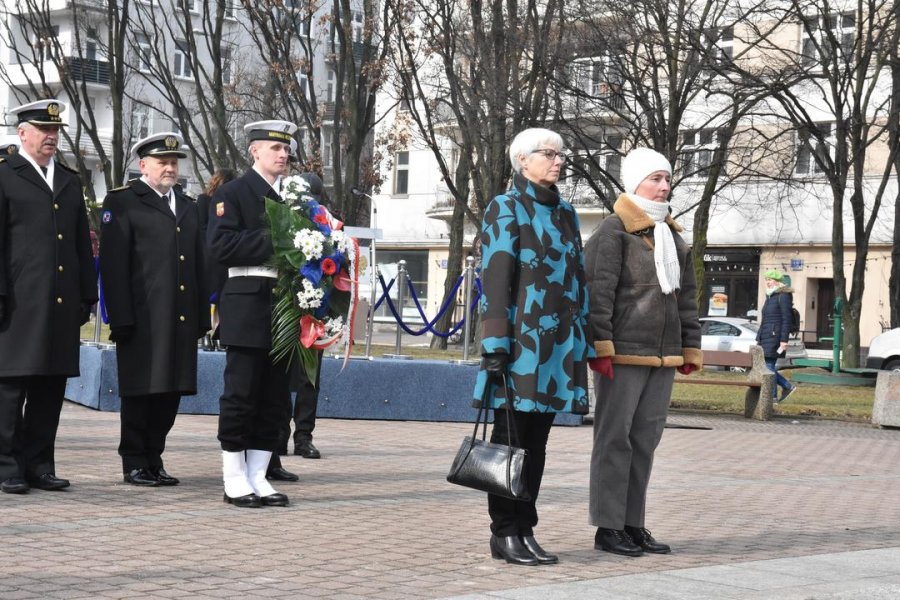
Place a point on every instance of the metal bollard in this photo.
(467, 313)
(401, 299)
(98, 321)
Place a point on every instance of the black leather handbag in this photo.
(493, 468)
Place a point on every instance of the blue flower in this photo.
(312, 271)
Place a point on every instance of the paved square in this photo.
(375, 517)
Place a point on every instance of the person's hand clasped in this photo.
(495, 364)
(602, 365)
(686, 369)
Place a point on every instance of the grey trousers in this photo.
(628, 424)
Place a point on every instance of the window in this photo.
(182, 63)
(719, 43)
(820, 35)
(90, 44)
(699, 151)
(401, 174)
(812, 143)
(229, 9)
(226, 65)
(330, 91)
(192, 5)
(44, 42)
(303, 82)
(600, 77)
(612, 156)
(357, 25)
(405, 91)
(327, 138)
(302, 24)
(140, 121)
(143, 53)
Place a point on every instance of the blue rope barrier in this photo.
(429, 324)
(384, 294)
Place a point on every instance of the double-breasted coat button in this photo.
(60, 268)
(59, 236)
(181, 318)
(59, 300)
(55, 206)
(178, 229)
(181, 287)
(181, 258)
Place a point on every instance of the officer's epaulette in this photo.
(120, 188)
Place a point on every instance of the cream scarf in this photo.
(668, 271)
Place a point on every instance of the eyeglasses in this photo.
(551, 154)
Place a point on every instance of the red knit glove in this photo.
(602, 365)
(686, 369)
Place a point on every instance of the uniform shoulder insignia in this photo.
(121, 188)
(2, 160)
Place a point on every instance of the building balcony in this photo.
(87, 70)
(86, 147)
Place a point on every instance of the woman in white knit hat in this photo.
(644, 325)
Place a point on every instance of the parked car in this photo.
(733, 334)
(884, 351)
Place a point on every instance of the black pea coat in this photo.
(152, 267)
(46, 269)
(237, 236)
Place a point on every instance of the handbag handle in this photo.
(483, 423)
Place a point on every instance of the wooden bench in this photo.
(760, 381)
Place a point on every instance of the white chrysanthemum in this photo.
(334, 326)
(343, 243)
(292, 188)
(309, 242)
(310, 296)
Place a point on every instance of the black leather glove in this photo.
(495, 363)
(2, 307)
(122, 333)
(85, 312)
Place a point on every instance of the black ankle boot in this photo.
(512, 550)
(543, 557)
(616, 541)
(642, 538)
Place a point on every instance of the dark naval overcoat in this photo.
(237, 234)
(153, 272)
(46, 269)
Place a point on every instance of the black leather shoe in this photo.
(276, 499)
(14, 485)
(642, 538)
(307, 450)
(247, 501)
(542, 556)
(616, 541)
(281, 474)
(142, 476)
(48, 481)
(512, 550)
(162, 477)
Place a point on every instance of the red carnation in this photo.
(321, 219)
(328, 266)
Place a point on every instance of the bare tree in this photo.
(471, 75)
(43, 65)
(324, 66)
(840, 70)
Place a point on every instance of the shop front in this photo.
(731, 286)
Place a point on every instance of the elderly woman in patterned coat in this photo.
(534, 317)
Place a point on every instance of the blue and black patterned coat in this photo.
(535, 306)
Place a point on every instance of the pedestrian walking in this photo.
(776, 320)
(533, 315)
(47, 287)
(643, 321)
(152, 266)
(256, 394)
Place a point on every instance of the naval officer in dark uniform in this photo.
(152, 262)
(256, 393)
(47, 287)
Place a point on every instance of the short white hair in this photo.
(529, 140)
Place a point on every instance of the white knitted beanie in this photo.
(638, 164)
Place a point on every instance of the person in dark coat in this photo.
(644, 321)
(47, 287)
(534, 320)
(776, 319)
(152, 266)
(215, 273)
(256, 393)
